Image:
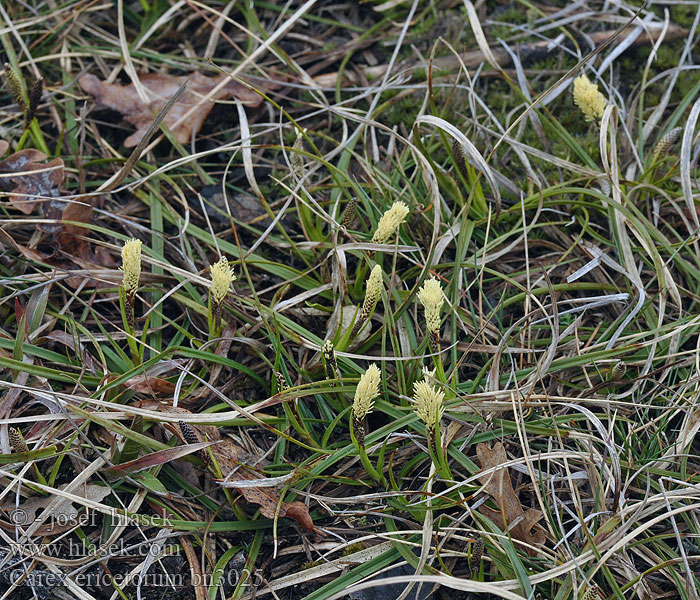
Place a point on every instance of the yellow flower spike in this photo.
(221, 279)
(428, 403)
(432, 299)
(390, 222)
(365, 393)
(428, 374)
(587, 97)
(475, 559)
(373, 290)
(15, 85)
(131, 265)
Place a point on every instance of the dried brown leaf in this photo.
(63, 516)
(232, 461)
(500, 487)
(71, 237)
(160, 87)
(6, 240)
(74, 344)
(154, 459)
(24, 176)
(147, 384)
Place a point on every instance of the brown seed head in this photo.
(17, 441)
(34, 99)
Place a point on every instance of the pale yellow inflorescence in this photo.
(373, 289)
(131, 265)
(588, 98)
(389, 222)
(428, 402)
(432, 299)
(428, 374)
(365, 393)
(221, 279)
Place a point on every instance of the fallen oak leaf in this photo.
(27, 179)
(160, 87)
(24, 177)
(148, 384)
(232, 460)
(58, 518)
(71, 236)
(500, 487)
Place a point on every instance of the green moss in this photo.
(352, 548)
(403, 110)
(512, 15)
(683, 15)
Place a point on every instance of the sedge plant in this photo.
(131, 268)
(432, 298)
(221, 279)
(429, 405)
(365, 393)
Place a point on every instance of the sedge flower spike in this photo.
(373, 290)
(131, 265)
(390, 222)
(666, 142)
(588, 98)
(365, 393)
(432, 299)
(428, 403)
(331, 364)
(15, 85)
(221, 279)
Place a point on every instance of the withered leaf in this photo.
(71, 237)
(500, 487)
(63, 515)
(154, 459)
(233, 460)
(160, 87)
(24, 176)
(147, 384)
(77, 346)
